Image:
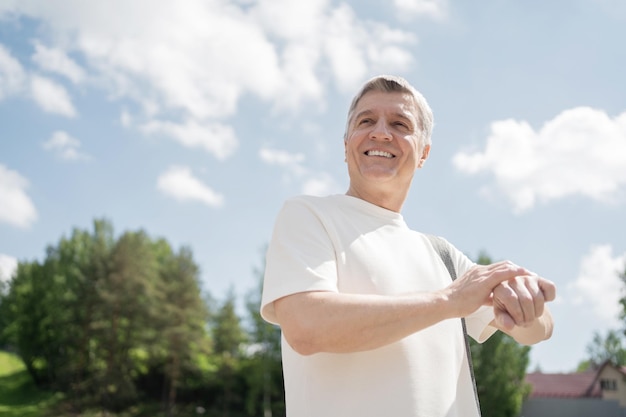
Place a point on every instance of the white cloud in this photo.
(215, 138)
(17, 208)
(312, 183)
(57, 61)
(321, 184)
(64, 146)
(8, 266)
(434, 9)
(282, 52)
(598, 284)
(290, 161)
(355, 49)
(344, 49)
(582, 151)
(12, 74)
(178, 182)
(287, 19)
(126, 119)
(51, 97)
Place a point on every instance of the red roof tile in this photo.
(564, 385)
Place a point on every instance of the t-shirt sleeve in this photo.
(478, 322)
(300, 256)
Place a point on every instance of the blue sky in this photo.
(195, 120)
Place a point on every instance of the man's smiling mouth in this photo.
(379, 153)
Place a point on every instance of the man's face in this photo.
(382, 144)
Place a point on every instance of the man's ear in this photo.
(424, 156)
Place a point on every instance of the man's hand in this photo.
(517, 295)
(475, 288)
(519, 301)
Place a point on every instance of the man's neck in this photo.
(390, 200)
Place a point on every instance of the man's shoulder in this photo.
(306, 205)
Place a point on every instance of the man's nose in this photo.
(381, 131)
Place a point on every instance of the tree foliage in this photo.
(622, 301)
(264, 369)
(100, 312)
(117, 321)
(609, 347)
(604, 348)
(500, 367)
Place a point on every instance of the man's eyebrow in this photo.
(395, 114)
(362, 113)
(404, 117)
(407, 118)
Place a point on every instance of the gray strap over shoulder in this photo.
(442, 248)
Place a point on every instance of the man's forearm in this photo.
(316, 322)
(338, 322)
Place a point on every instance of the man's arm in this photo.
(315, 322)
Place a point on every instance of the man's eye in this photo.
(365, 121)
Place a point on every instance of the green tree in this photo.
(602, 349)
(100, 314)
(49, 305)
(608, 347)
(622, 277)
(182, 320)
(228, 333)
(123, 319)
(500, 368)
(24, 316)
(229, 338)
(265, 395)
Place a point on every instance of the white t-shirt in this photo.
(344, 244)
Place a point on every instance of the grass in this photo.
(19, 397)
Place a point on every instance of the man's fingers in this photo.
(518, 296)
(548, 289)
(505, 270)
(536, 295)
(506, 299)
(527, 300)
(505, 285)
(504, 320)
(521, 298)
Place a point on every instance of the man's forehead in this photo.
(396, 102)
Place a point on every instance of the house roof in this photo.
(574, 385)
(563, 385)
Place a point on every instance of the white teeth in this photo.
(379, 153)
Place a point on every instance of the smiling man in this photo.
(370, 318)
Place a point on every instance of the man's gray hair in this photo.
(392, 84)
